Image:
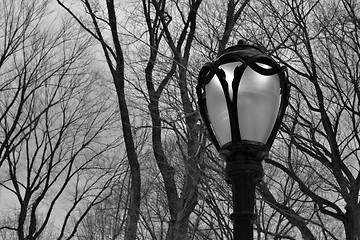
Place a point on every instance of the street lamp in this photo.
(242, 98)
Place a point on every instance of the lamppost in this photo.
(242, 98)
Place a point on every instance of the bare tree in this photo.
(182, 201)
(55, 123)
(103, 18)
(180, 205)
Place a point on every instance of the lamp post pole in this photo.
(243, 190)
(242, 98)
(243, 171)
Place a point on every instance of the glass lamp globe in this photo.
(242, 97)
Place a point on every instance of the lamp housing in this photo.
(242, 97)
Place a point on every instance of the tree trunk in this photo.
(189, 192)
(178, 230)
(352, 222)
(134, 205)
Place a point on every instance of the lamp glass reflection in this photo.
(258, 104)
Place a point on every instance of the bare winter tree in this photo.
(104, 18)
(180, 204)
(55, 124)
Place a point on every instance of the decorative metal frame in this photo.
(248, 55)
